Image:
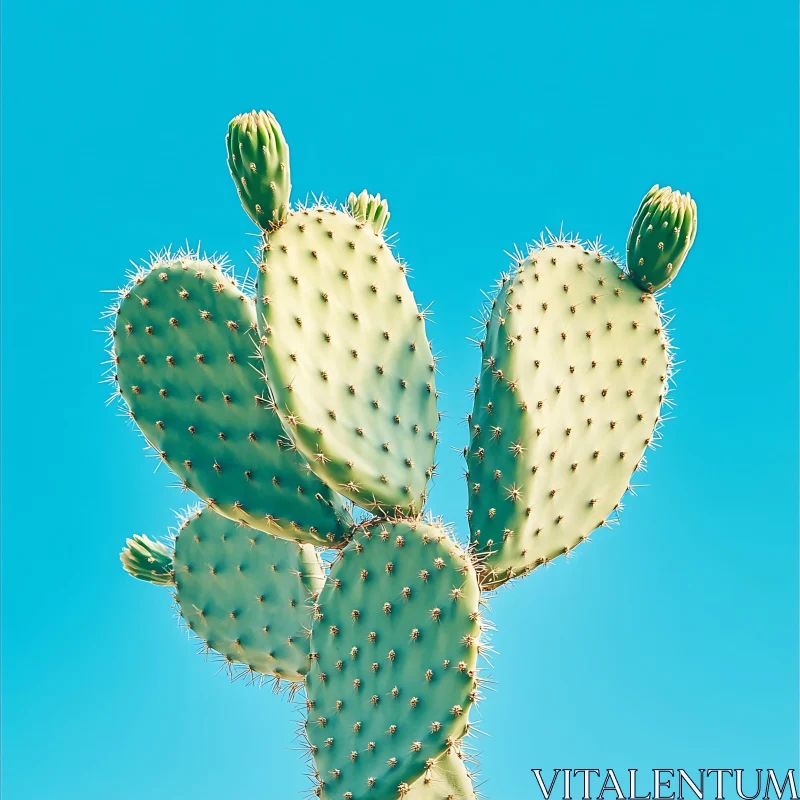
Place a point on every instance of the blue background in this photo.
(670, 641)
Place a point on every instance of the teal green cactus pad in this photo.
(394, 646)
(447, 779)
(660, 238)
(148, 560)
(258, 160)
(248, 595)
(349, 364)
(184, 352)
(575, 367)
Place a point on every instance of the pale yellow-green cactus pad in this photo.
(574, 369)
(348, 362)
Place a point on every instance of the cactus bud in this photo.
(662, 233)
(369, 208)
(148, 560)
(258, 159)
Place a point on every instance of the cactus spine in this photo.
(278, 405)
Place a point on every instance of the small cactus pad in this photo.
(394, 651)
(184, 355)
(575, 366)
(258, 159)
(662, 233)
(369, 208)
(148, 560)
(247, 594)
(447, 779)
(349, 364)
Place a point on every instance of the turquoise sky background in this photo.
(670, 641)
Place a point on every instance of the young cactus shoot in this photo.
(661, 236)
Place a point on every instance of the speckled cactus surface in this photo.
(348, 361)
(575, 368)
(283, 402)
(185, 351)
(394, 651)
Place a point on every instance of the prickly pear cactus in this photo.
(394, 659)
(347, 357)
(246, 594)
(575, 367)
(275, 408)
(184, 347)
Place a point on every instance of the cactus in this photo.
(349, 364)
(394, 659)
(246, 594)
(183, 348)
(575, 369)
(661, 235)
(276, 407)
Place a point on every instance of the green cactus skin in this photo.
(447, 779)
(661, 236)
(394, 647)
(248, 595)
(184, 348)
(575, 368)
(349, 365)
(148, 560)
(369, 208)
(258, 160)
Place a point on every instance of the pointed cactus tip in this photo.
(258, 160)
(369, 208)
(148, 560)
(661, 236)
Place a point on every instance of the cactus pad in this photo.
(394, 651)
(184, 354)
(247, 594)
(349, 364)
(661, 236)
(575, 365)
(148, 560)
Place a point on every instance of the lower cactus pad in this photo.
(247, 594)
(394, 659)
